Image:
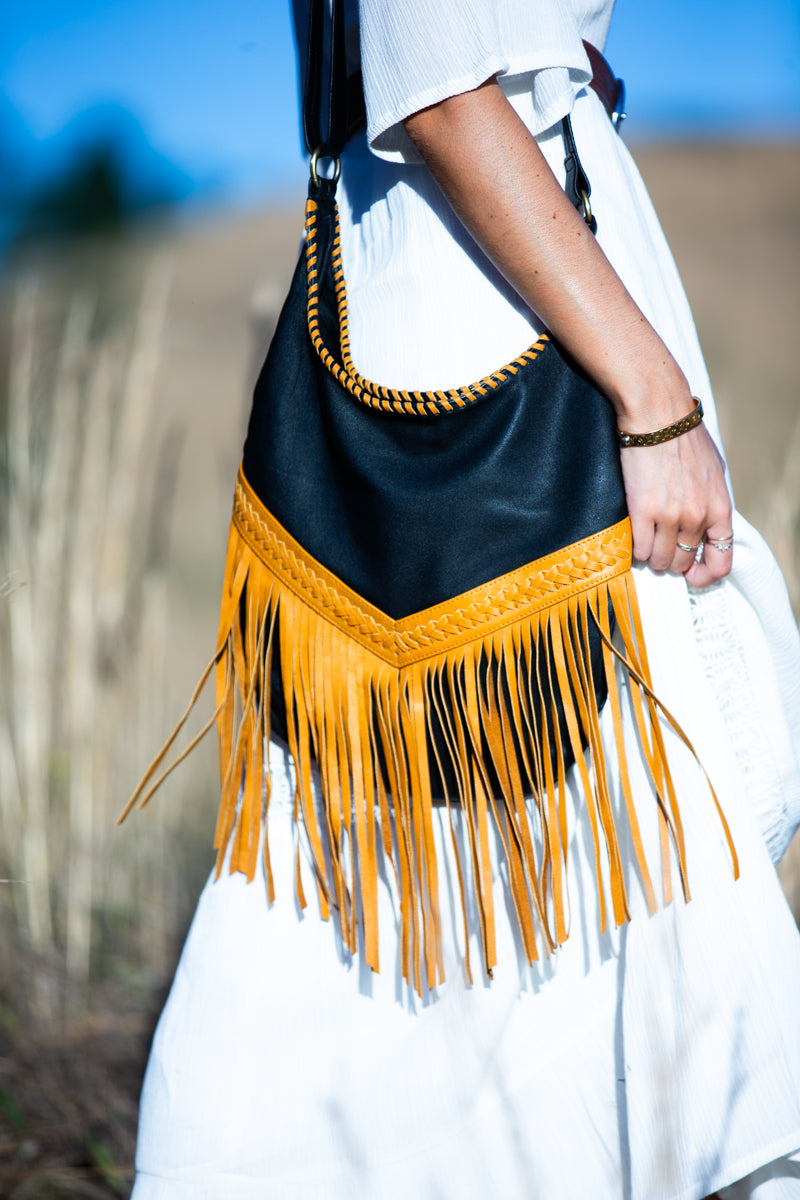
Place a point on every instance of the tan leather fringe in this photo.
(361, 692)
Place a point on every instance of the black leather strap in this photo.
(576, 184)
(325, 121)
(313, 79)
(331, 137)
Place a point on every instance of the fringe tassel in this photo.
(483, 706)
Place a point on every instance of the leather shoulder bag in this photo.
(428, 595)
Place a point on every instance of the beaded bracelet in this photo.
(665, 434)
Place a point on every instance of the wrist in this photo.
(653, 404)
(642, 381)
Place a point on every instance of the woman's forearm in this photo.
(500, 185)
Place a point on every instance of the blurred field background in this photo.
(128, 349)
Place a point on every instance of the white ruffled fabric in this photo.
(414, 57)
(656, 1062)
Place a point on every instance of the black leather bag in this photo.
(411, 501)
(420, 598)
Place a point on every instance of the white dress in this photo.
(660, 1061)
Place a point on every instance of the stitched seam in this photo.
(377, 396)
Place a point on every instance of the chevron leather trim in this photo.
(468, 617)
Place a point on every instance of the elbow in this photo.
(440, 123)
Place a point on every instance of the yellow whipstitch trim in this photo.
(375, 395)
(363, 694)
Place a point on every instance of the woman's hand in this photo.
(501, 187)
(676, 493)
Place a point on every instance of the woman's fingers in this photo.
(688, 548)
(680, 508)
(665, 541)
(716, 560)
(644, 533)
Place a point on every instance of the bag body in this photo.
(412, 502)
(420, 596)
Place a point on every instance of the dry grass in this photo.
(85, 487)
(87, 603)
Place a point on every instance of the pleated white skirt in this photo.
(660, 1061)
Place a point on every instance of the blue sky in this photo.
(212, 85)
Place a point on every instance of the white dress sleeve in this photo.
(415, 53)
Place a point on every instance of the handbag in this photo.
(427, 595)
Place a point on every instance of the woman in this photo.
(655, 1061)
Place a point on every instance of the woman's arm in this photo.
(499, 184)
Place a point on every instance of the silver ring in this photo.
(721, 544)
(689, 549)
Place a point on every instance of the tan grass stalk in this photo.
(81, 663)
(28, 688)
(131, 453)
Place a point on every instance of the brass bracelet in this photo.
(667, 433)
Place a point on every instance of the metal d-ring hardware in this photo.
(587, 208)
(312, 166)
